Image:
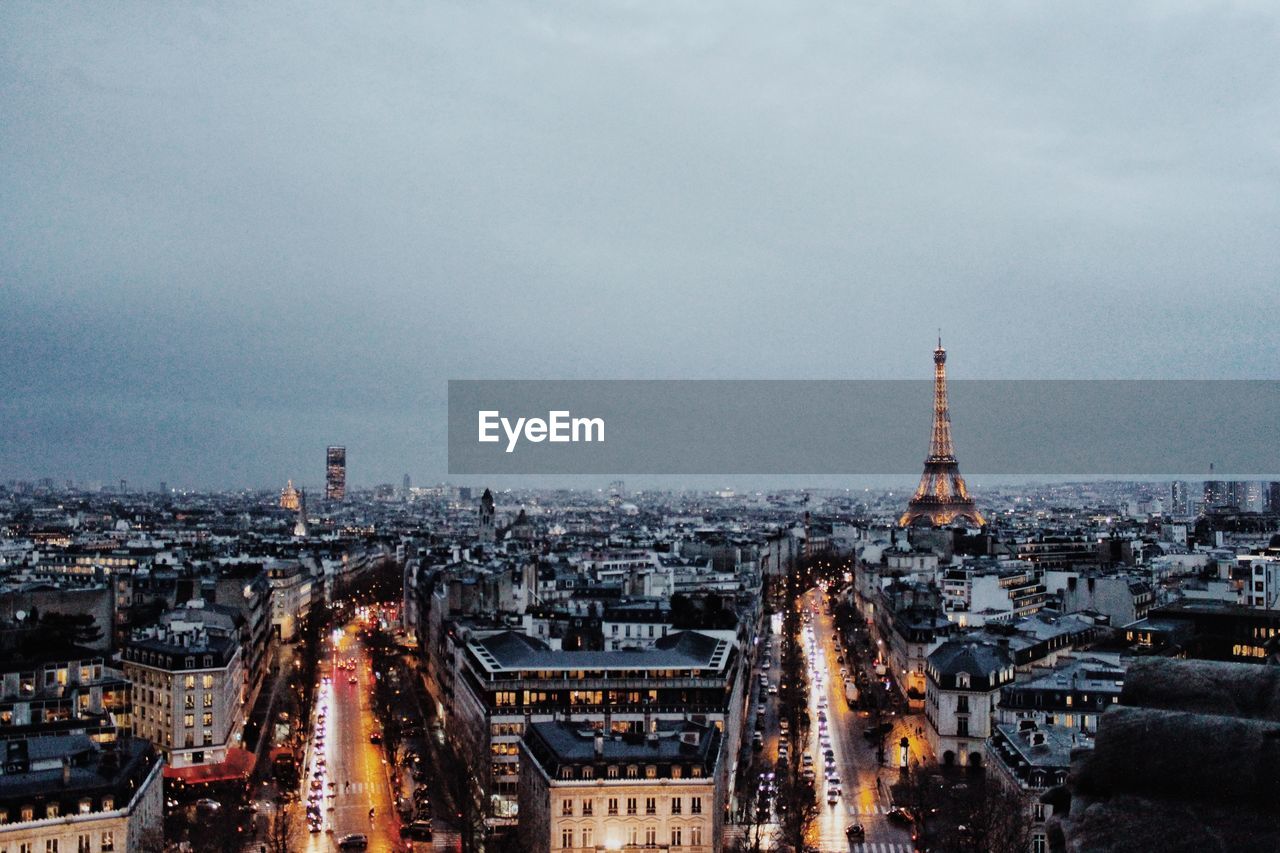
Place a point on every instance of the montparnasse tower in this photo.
(942, 497)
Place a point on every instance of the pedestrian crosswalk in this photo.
(881, 847)
(868, 810)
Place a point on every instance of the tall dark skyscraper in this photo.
(942, 497)
(335, 475)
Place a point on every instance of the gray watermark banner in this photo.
(857, 427)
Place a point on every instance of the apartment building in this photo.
(187, 676)
(582, 790)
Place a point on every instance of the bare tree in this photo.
(749, 817)
(281, 828)
(999, 818)
(797, 808)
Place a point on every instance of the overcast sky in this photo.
(232, 235)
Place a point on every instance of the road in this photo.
(352, 772)
(864, 783)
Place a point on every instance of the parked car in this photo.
(353, 841)
(419, 830)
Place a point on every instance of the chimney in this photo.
(599, 744)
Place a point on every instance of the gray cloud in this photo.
(229, 236)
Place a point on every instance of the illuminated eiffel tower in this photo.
(942, 497)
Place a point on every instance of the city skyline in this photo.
(216, 261)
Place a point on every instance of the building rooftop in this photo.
(510, 651)
(555, 745)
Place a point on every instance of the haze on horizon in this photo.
(232, 236)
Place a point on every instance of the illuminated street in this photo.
(862, 799)
(351, 771)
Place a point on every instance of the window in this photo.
(676, 805)
(208, 700)
(696, 771)
(588, 808)
(631, 805)
(695, 836)
(207, 719)
(189, 681)
(612, 772)
(51, 810)
(51, 845)
(189, 720)
(650, 805)
(676, 839)
(962, 681)
(108, 842)
(962, 726)
(566, 838)
(1037, 811)
(633, 772)
(1038, 844)
(86, 805)
(650, 772)
(962, 705)
(695, 806)
(82, 843)
(206, 681)
(651, 836)
(613, 805)
(588, 772)
(587, 839)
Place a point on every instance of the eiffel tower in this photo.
(942, 497)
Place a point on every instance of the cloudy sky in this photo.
(232, 235)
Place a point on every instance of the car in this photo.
(833, 796)
(855, 832)
(353, 680)
(900, 816)
(375, 737)
(353, 841)
(418, 830)
(760, 709)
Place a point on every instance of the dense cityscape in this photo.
(619, 427)
(410, 668)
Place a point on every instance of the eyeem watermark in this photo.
(558, 426)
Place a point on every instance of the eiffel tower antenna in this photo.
(942, 497)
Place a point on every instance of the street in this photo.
(864, 799)
(351, 772)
